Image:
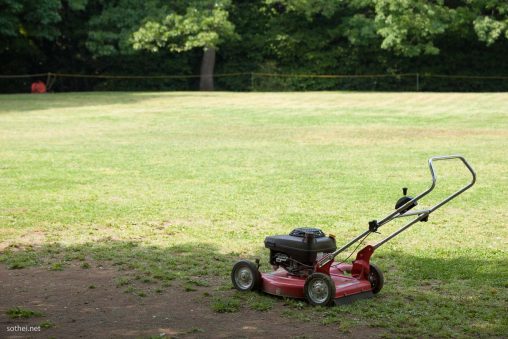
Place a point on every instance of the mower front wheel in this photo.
(376, 279)
(319, 289)
(245, 276)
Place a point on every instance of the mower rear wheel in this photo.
(245, 276)
(376, 279)
(319, 289)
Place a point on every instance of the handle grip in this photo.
(434, 178)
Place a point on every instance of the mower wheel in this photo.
(245, 276)
(319, 289)
(376, 278)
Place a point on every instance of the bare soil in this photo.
(76, 310)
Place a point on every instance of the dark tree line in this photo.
(131, 37)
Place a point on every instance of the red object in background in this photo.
(38, 87)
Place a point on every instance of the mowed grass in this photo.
(180, 185)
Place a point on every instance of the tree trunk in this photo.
(207, 65)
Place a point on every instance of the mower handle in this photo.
(400, 212)
(431, 188)
(425, 213)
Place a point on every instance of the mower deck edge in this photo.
(353, 297)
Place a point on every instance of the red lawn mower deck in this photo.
(304, 265)
(347, 288)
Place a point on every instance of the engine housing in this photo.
(298, 250)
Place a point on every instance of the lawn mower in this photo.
(304, 264)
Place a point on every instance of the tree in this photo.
(491, 21)
(24, 24)
(322, 35)
(205, 25)
(409, 27)
(111, 29)
(25, 19)
(27, 28)
(277, 36)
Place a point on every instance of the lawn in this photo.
(177, 186)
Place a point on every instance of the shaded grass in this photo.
(225, 305)
(180, 185)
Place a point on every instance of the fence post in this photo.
(417, 82)
(251, 82)
(50, 80)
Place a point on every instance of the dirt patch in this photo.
(76, 310)
(33, 238)
(29, 239)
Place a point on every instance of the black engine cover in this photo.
(302, 245)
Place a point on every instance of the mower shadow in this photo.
(480, 268)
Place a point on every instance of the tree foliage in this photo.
(29, 19)
(271, 36)
(204, 24)
(110, 31)
(491, 22)
(410, 27)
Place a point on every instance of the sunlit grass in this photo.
(179, 185)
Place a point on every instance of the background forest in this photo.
(244, 43)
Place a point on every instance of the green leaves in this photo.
(9, 22)
(491, 22)
(110, 31)
(489, 29)
(309, 7)
(179, 33)
(77, 5)
(359, 29)
(410, 27)
(29, 19)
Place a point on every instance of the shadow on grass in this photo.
(204, 259)
(20, 103)
(487, 268)
(423, 296)
(161, 263)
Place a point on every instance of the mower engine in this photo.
(298, 251)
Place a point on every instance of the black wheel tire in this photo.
(245, 276)
(319, 289)
(376, 279)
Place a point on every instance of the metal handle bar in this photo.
(423, 214)
(420, 214)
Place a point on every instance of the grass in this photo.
(225, 305)
(260, 303)
(195, 330)
(57, 266)
(47, 324)
(180, 185)
(18, 312)
(122, 281)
